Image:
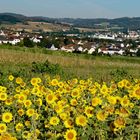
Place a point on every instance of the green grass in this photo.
(18, 60)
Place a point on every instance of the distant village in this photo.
(99, 43)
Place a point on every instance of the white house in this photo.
(17, 34)
(121, 52)
(91, 50)
(101, 36)
(133, 50)
(111, 51)
(14, 41)
(2, 33)
(53, 48)
(68, 48)
(35, 40)
(122, 45)
(79, 49)
(5, 41)
(80, 43)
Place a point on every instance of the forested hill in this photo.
(124, 22)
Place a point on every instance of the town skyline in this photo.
(73, 9)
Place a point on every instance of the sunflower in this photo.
(123, 112)
(125, 101)
(54, 82)
(54, 120)
(70, 134)
(37, 132)
(50, 98)
(120, 123)
(34, 81)
(104, 90)
(8, 101)
(7, 117)
(20, 112)
(27, 123)
(101, 116)
(96, 101)
(81, 120)
(22, 98)
(61, 84)
(137, 93)
(75, 93)
(23, 84)
(68, 123)
(73, 102)
(63, 116)
(26, 135)
(30, 112)
(18, 89)
(35, 116)
(89, 111)
(3, 89)
(39, 102)
(19, 127)
(7, 136)
(112, 100)
(3, 128)
(109, 109)
(39, 80)
(128, 85)
(113, 87)
(27, 103)
(19, 80)
(82, 82)
(11, 77)
(3, 96)
(58, 108)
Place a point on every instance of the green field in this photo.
(101, 68)
(51, 107)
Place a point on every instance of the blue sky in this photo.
(73, 8)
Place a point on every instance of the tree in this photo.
(27, 42)
(44, 42)
(138, 53)
(56, 43)
(67, 41)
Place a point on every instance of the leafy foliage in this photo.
(46, 67)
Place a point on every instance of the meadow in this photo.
(47, 95)
(101, 68)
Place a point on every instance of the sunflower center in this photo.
(8, 101)
(30, 112)
(138, 92)
(7, 117)
(21, 98)
(70, 135)
(89, 111)
(120, 121)
(27, 103)
(70, 122)
(2, 96)
(50, 97)
(124, 111)
(125, 101)
(2, 127)
(75, 93)
(82, 120)
(54, 121)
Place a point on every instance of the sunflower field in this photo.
(52, 109)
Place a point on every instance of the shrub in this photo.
(46, 67)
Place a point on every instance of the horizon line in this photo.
(22, 14)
